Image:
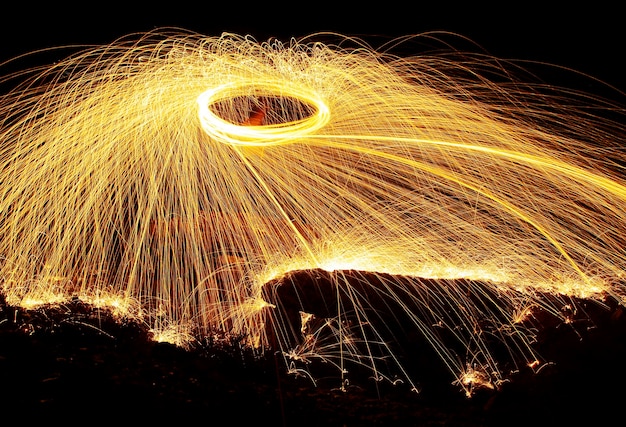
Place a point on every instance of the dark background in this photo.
(588, 37)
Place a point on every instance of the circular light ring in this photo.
(260, 135)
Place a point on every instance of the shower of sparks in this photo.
(172, 175)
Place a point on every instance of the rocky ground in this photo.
(74, 364)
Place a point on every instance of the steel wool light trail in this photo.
(173, 176)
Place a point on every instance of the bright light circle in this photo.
(263, 135)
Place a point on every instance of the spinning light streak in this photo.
(180, 178)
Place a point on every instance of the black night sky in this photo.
(587, 37)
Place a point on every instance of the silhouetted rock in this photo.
(78, 364)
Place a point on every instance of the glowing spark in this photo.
(473, 379)
(174, 175)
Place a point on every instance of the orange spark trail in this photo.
(174, 175)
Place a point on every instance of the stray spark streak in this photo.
(173, 176)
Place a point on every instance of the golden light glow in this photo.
(177, 174)
(234, 133)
